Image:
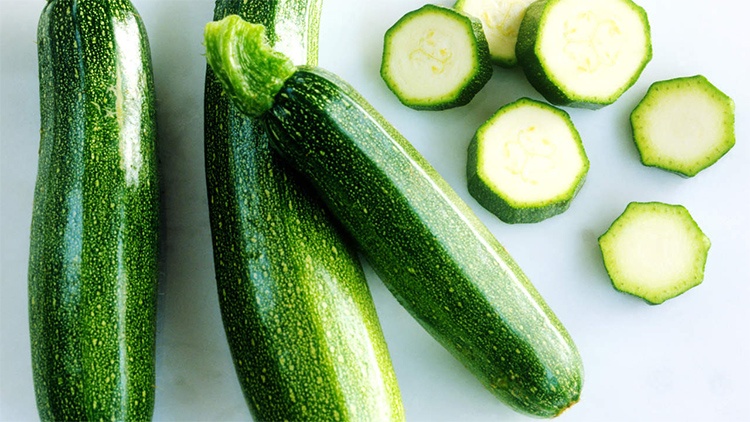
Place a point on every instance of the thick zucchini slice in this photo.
(655, 251)
(435, 58)
(527, 162)
(298, 315)
(431, 251)
(583, 53)
(500, 21)
(95, 226)
(683, 125)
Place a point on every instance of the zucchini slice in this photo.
(94, 254)
(655, 251)
(527, 162)
(683, 125)
(583, 53)
(430, 250)
(297, 311)
(435, 58)
(500, 21)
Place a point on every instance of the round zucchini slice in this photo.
(683, 125)
(654, 251)
(500, 21)
(527, 162)
(583, 53)
(435, 58)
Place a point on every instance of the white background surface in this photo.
(688, 359)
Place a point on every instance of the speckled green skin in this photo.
(431, 251)
(94, 235)
(300, 322)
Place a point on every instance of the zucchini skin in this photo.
(299, 318)
(431, 251)
(93, 266)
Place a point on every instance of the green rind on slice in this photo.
(527, 162)
(683, 125)
(500, 21)
(435, 58)
(654, 251)
(582, 53)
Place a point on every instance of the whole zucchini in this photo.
(95, 226)
(431, 251)
(298, 315)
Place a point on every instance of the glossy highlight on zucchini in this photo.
(93, 265)
(301, 326)
(436, 257)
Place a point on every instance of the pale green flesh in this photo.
(654, 251)
(530, 155)
(434, 57)
(527, 162)
(683, 125)
(500, 21)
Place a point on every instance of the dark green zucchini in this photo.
(431, 251)
(93, 262)
(298, 315)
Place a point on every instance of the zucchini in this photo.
(500, 21)
(683, 125)
(435, 58)
(431, 251)
(527, 162)
(93, 262)
(300, 322)
(655, 251)
(583, 53)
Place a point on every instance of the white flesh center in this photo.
(500, 22)
(681, 127)
(431, 57)
(529, 155)
(592, 48)
(655, 252)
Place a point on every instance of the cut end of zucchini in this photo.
(435, 58)
(500, 21)
(683, 125)
(527, 162)
(250, 71)
(581, 52)
(655, 251)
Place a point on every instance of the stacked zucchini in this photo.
(298, 315)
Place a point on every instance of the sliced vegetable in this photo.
(581, 52)
(527, 162)
(683, 125)
(655, 251)
(93, 261)
(500, 21)
(298, 315)
(435, 58)
(431, 251)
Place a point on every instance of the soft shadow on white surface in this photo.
(683, 360)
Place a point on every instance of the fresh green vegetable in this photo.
(435, 58)
(581, 52)
(655, 251)
(500, 21)
(94, 235)
(683, 125)
(527, 162)
(431, 251)
(298, 315)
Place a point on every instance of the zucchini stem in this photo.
(249, 69)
